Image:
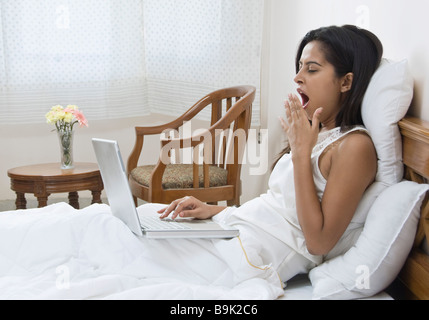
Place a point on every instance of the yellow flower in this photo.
(55, 114)
(50, 117)
(61, 115)
(68, 117)
(57, 108)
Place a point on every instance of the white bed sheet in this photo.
(58, 252)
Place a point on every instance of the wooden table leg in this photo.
(96, 197)
(41, 193)
(74, 199)
(43, 201)
(21, 202)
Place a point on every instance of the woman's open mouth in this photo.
(305, 99)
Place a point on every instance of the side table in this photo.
(45, 179)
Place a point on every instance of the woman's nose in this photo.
(298, 78)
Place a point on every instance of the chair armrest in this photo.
(143, 131)
(174, 125)
(177, 123)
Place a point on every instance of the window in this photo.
(117, 58)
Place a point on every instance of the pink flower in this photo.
(80, 118)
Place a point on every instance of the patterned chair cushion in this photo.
(180, 176)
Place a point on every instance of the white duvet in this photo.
(58, 252)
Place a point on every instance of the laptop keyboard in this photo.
(156, 223)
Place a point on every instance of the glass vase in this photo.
(66, 147)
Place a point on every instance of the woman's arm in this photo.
(352, 168)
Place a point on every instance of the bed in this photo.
(411, 283)
(58, 252)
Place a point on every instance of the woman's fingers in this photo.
(184, 204)
(296, 105)
(183, 207)
(293, 110)
(170, 208)
(316, 119)
(283, 123)
(165, 212)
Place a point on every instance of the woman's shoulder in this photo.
(335, 138)
(352, 150)
(357, 137)
(353, 158)
(357, 143)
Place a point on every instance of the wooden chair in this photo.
(217, 152)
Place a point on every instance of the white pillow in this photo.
(375, 260)
(386, 102)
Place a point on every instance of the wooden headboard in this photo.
(415, 138)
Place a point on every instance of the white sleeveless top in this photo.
(275, 211)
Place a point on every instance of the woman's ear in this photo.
(346, 85)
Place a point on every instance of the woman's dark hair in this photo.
(348, 49)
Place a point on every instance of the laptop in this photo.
(122, 204)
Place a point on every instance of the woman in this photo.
(316, 188)
(313, 194)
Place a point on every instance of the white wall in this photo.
(401, 25)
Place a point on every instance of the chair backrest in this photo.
(223, 144)
(231, 112)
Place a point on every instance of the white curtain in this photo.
(195, 47)
(124, 58)
(84, 52)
